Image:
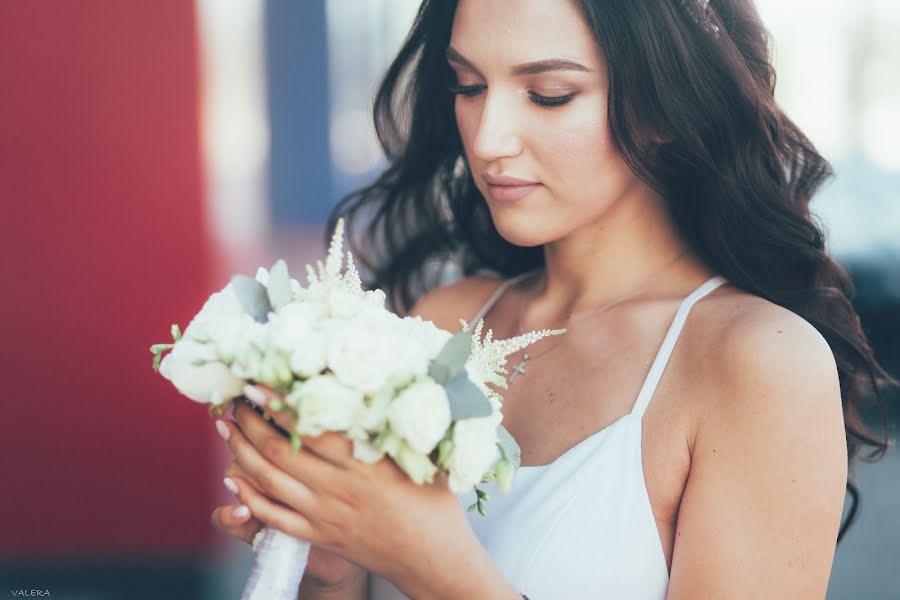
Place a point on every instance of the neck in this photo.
(612, 257)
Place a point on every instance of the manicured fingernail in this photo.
(241, 511)
(229, 483)
(223, 429)
(255, 395)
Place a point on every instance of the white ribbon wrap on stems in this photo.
(278, 566)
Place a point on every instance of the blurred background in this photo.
(148, 150)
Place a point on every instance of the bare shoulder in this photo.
(461, 299)
(768, 458)
(756, 344)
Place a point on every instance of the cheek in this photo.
(579, 151)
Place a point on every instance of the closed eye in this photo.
(467, 90)
(473, 90)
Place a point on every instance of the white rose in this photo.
(324, 404)
(369, 352)
(417, 466)
(421, 415)
(293, 331)
(223, 323)
(211, 382)
(366, 451)
(474, 452)
(427, 333)
(345, 304)
(374, 413)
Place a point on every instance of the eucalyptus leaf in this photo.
(509, 447)
(466, 400)
(455, 352)
(279, 290)
(252, 296)
(440, 373)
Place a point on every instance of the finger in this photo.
(272, 514)
(293, 488)
(336, 448)
(235, 522)
(261, 396)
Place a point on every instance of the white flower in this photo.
(323, 403)
(418, 466)
(293, 330)
(366, 451)
(421, 415)
(211, 382)
(374, 414)
(223, 323)
(474, 452)
(368, 352)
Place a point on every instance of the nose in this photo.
(497, 136)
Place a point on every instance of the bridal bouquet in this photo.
(397, 387)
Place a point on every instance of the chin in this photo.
(523, 231)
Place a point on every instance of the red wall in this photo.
(103, 246)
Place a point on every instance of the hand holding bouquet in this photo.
(342, 363)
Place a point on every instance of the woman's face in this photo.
(531, 105)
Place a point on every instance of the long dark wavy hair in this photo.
(736, 174)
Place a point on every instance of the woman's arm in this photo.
(763, 502)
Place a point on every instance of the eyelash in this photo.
(550, 101)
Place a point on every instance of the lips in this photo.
(506, 188)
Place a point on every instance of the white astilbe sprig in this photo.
(335, 252)
(488, 356)
(351, 277)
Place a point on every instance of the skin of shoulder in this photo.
(461, 299)
(762, 505)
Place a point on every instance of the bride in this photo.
(620, 169)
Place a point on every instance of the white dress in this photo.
(582, 526)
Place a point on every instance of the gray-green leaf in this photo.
(439, 372)
(279, 285)
(509, 447)
(455, 353)
(466, 399)
(252, 296)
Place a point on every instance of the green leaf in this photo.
(156, 359)
(252, 296)
(279, 289)
(276, 405)
(471, 508)
(466, 399)
(296, 443)
(509, 447)
(453, 355)
(176, 332)
(445, 448)
(440, 373)
(481, 508)
(160, 348)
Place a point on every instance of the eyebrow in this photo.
(529, 68)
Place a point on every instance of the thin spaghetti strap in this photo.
(496, 296)
(668, 344)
